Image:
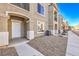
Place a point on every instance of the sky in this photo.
(70, 11)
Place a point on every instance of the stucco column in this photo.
(30, 32)
(3, 30)
(57, 24)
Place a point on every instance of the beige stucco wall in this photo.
(60, 22)
(36, 16)
(52, 21)
(7, 9)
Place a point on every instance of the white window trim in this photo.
(44, 11)
(37, 27)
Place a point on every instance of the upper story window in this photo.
(40, 9)
(55, 26)
(23, 5)
(50, 7)
(55, 16)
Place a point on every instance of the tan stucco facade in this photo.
(53, 19)
(31, 17)
(60, 23)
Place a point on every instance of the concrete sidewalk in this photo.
(73, 44)
(26, 50)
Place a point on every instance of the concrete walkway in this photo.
(26, 50)
(17, 41)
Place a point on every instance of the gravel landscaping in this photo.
(50, 45)
(9, 51)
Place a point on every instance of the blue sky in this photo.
(70, 11)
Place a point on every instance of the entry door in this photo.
(16, 29)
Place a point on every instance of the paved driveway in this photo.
(50, 45)
(76, 32)
(47, 45)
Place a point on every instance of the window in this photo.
(40, 9)
(55, 26)
(25, 6)
(55, 16)
(40, 26)
(50, 8)
(22, 5)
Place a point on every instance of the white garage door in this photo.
(16, 29)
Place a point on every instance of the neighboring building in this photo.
(76, 27)
(53, 18)
(60, 23)
(65, 25)
(22, 20)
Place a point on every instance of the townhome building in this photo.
(23, 20)
(65, 25)
(60, 23)
(53, 18)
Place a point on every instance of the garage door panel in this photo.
(16, 29)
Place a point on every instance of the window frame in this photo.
(39, 8)
(43, 23)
